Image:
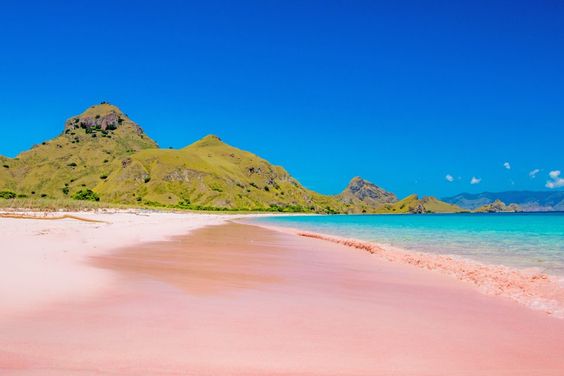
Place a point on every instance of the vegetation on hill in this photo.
(209, 174)
(76, 159)
(414, 205)
(103, 155)
(498, 206)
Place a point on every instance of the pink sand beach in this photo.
(171, 295)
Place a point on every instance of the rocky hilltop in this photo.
(103, 117)
(365, 195)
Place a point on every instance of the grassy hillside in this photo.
(103, 155)
(209, 174)
(414, 205)
(80, 157)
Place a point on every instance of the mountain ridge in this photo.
(526, 200)
(103, 151)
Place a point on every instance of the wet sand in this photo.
(242, 300)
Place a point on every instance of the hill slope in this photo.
(209, 174)
(78, 158)
(105, 151)
(414, 205)
(365, 196)
(527, 200)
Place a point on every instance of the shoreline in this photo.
(243, 300)
(529, 287)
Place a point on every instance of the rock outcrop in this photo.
(360, 190)
(498, 206)
(104, 117)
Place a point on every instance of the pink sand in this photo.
(241, 300)
(530, 287)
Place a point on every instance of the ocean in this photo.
(521, 240)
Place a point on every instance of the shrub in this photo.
(66, 191)
(7, 195)
(86, 195)
(147, 179)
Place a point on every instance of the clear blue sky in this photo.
(401, 93)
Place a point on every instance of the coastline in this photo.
(530, 287)
(242, 300)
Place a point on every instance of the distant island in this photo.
(530, 201)
(103, 156)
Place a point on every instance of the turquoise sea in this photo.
(512, 239)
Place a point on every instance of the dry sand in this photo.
(43, 260)
(241, 300)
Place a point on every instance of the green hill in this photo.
(414, 205)
(209, 174)
(102, 154)
(80, 157)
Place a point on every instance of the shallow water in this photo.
(521, 240)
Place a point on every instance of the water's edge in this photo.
(530, 287)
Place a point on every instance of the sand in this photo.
(242, 300)
(530, 287)
(43, 260)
